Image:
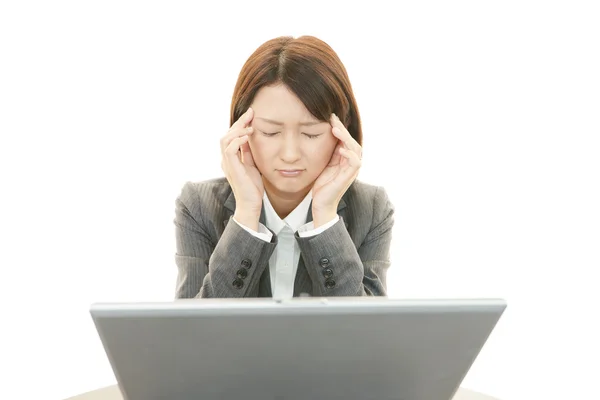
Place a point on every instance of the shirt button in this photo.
(327, 272)
(238, 283)
(246, 263)
(242, 273)
(324, 262)
(329, 283)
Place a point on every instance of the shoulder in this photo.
(368, 196)
(369, 206)
(206, 195)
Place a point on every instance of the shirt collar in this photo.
(294, 220)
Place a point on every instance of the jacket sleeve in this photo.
(338, 268)
(230, 268)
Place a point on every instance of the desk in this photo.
(113, 393)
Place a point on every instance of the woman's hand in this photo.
(337, 176)
(243, 176)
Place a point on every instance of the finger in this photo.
(340, 132)
(348, 141)
(244, 119)
(234, 147)
(233, 134)
(353, 159)
(247, 158)
(231, 157)
(336, 157)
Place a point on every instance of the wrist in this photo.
(249, 219)
(322, 217)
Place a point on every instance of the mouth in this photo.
(290, 172)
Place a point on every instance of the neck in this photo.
(283, 202)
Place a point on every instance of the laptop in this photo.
(351, 348)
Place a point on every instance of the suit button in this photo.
(246, 263)
(329, 283)
(242, 273)
(327, 272)
(238, 283)
(324, 262)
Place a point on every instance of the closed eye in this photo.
(312, 136)
(269, 134)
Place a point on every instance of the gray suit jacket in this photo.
(217, 258)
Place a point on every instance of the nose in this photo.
(290, 149)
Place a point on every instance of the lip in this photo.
(290, 172)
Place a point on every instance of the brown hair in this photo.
(310, 69)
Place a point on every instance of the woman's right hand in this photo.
(238, 165)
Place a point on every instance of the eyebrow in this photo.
(311, 123)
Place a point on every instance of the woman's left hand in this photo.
(337, 176)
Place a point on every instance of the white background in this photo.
(481, 119)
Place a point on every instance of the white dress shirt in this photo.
(283, 263)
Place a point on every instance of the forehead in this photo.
(278, 103)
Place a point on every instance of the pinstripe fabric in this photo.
(216, 258)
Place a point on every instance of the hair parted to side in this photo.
(310, 68)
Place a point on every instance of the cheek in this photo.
(323, 151)
(259, 149)
(330, 141)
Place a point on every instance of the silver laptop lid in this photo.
(304, 348)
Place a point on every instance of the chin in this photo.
(289, 185)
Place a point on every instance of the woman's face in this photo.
(288, 138)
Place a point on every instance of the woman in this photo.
(289, 218)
